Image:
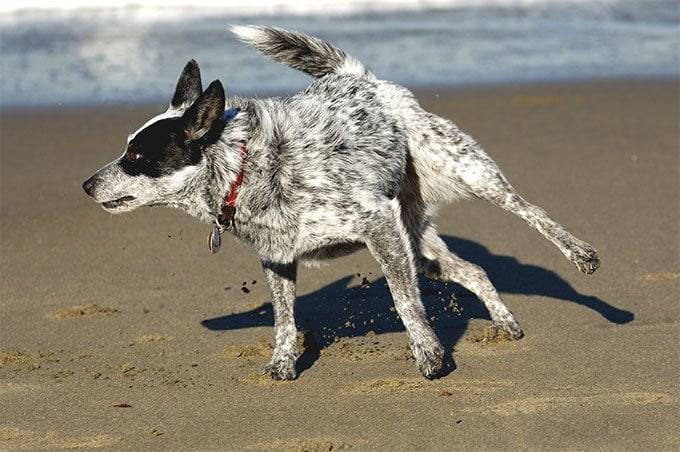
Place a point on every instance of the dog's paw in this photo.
(509, 328)
(585, 257)
(429, 359)
(280, 369)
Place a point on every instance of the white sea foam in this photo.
(179, 8)
(77, 51)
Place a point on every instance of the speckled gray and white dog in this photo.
(352, 161)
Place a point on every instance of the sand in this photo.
(124, 332)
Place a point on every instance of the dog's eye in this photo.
(133, 156)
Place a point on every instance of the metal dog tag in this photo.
(215, 240)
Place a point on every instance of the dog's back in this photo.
(435, 146)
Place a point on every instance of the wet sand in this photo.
(125, 332)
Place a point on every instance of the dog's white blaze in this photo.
(170, 113)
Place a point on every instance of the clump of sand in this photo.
(13, 357)
(489, 335)
(657, 277)
(543, 403)
(389, 385)
(16, 438)
(306, 445)
(306, 342)
(83, 311)
(442, 388)
(150, 338)
(26, 361)
(262, 349)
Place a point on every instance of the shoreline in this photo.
(417, 89)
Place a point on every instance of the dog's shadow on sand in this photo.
(337, 310)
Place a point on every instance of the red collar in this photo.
(228, 209)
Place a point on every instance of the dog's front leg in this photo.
(281, 280)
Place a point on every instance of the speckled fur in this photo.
(352, 161)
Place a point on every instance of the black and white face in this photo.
(163, 155)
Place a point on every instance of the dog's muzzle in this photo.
(89, 186)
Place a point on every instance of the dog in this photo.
(350, 162)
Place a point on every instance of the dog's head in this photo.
(163, 155)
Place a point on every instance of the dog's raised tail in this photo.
(306, 53)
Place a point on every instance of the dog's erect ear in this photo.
(188, 86)
(207, 108)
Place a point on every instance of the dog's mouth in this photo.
(116, 203)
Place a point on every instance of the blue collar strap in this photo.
(229, 115)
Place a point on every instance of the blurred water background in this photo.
(76, 52)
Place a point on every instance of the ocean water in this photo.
(90, 52)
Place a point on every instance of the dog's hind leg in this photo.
(387, 240)
(281, 281)
(485, 180)
(437, 262)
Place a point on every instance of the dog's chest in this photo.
(281, 219)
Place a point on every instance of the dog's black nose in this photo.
(88, 185)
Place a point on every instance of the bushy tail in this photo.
(300, 51)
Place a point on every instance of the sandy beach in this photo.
(124, 332)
